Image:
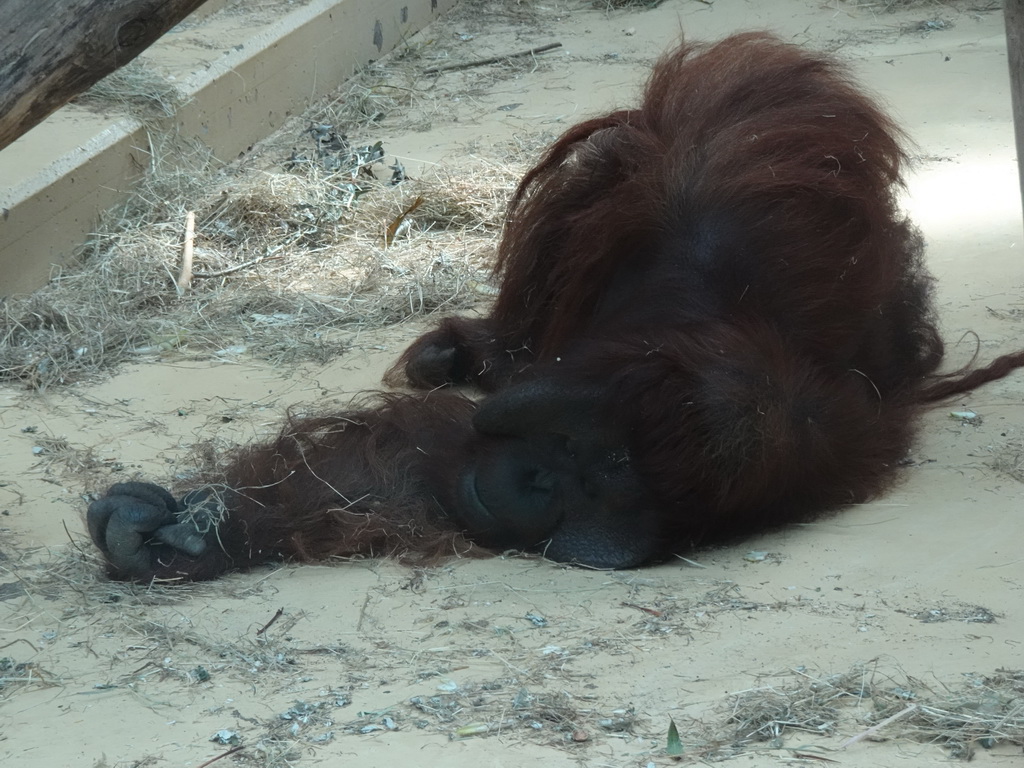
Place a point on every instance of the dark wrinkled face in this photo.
(546, 475)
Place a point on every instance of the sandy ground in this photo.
(511, 662)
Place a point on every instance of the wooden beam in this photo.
(1013, 11)
(52, 50)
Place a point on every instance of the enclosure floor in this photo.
(519, 662)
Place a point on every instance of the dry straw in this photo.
(869, 704)
(283, 259)
(136, 89)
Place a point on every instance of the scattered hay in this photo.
(144, 612)
(503, 706)
(963, 612)
(486, 15)
(1009, 459)
(18, 675)
(283, 261)
(137, 89)
(375, 93)
(982, 711)
(985, 711)
(614, 5)
(147, 761)
(765, 714)
(57, 451)
(79, 571)
(242, 656)
(892, 6)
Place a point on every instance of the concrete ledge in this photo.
(242, 72)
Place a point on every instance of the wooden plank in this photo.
(1013, 11)
(52, 50)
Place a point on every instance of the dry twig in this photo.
(492, 59)
(185, 276)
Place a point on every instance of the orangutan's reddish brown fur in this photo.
(723, 272)
(316, 491)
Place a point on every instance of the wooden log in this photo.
(52, 50)
(1013, 11)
